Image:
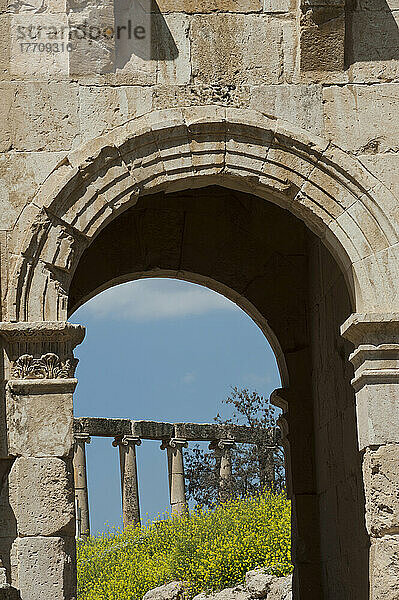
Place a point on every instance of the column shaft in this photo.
(266, 466)
(81, 491)
(177, 487)
(129, 480)
(222, 450)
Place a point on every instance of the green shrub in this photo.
(210, 549)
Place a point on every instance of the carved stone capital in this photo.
(224, 444)
(41, 350)
(83, 438)
(376, 382)
(376, 354)
(48, 366)
(174, 443)
(127, 440)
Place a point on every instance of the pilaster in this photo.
(39, 379)
(376, 382)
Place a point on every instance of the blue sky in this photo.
(166, 350)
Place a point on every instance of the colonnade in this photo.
(174, 446)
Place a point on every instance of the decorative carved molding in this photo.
(224, 444)
(42, 350)
(82, 438)
(174, 443)
(48, 366)
(49, 331)
(126, 440)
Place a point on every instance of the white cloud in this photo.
(254, 380)
(154, 299)
(189, 378)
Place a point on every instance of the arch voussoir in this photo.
(192, 147)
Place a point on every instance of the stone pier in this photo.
(40, 369)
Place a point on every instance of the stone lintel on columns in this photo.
(376, 382)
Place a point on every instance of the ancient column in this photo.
(81, 491)
(39, 372)
(177, 487)
(376, 382)
(129, 480)
(223, 458)
(266, 465)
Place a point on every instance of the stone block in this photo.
(372, 43)
(175, 590)
(377, 411)
(40, 418)
(362, 119)
(165, 96)
(381, 482)
(47, 568)
(385, 167)
(299, 104)
(281, 588)
(28, 62)
(101, 109)
(322, 39)
(209, 6)
(42, 496)
(5, 24)
(278, 6)
(384, 568)
(248, 50)
(258, 583)
(39, 116)
(93, 52)
(7, 93)
(172, 48)
(21, 174)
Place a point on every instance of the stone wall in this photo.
(263, 54)
(322, 67)
(343, 536)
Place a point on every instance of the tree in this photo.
(255, 466)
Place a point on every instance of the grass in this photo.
(209, 549)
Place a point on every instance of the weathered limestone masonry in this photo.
(250, 146)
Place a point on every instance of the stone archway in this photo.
(337, 198)
(165, 153)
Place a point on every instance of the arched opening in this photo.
(276, 269)
(178, 349)
(297, 212)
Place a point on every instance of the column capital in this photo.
(42, 350)
(376, 354)
(174, 443)
(127, 440)
(82, 437)
(375, 359)
(222, 444)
